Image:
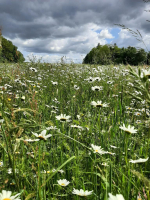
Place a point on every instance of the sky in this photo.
(51, 29)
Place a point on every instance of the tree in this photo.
(9, 52)
(0, 45)
(112, 54)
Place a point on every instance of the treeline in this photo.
(112, 54)
(9, 52)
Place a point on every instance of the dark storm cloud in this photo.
(49, 20)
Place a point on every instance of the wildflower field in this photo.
(71, 132)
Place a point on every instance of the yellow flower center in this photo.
(42, 138)
(63, 119)
(99, 105)
(128, 132)
(7, 199)
(62, 184)
(148, 75)
(96, 150)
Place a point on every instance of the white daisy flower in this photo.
(110, 153)
(54, 83)
(109, 82)
(61, 171)
(23, 98)
(1, 120)
(52, 128)
(90, 79)
(113, 147)
(33, 69)
(97, 79)
(42, 135)
(17, 96)
(9, 171)
(77, 126)
(104, 164)
(81, 192)
(117, 197)
(6, 195)
(99, 104)
(146, 73)
(137, 113)
(63, 118)
(139, 197)
(97, 88)
(98, 149)
(63, 182)
(140, 160)
(1, 163)
(76, 87)
(128, 129)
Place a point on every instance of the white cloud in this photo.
(105, 34)
(124, 34)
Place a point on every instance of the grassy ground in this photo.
(32, 98)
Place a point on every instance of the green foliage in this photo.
(112, 54)
(9, 52)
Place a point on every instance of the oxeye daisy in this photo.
(63, 118)
(129, 129)
(33, 69)
(117, 197)
(77, 126)
(146, 73)
(97, 79)
(139, 197)
(140, 160)
(76, 87)
(1, 163)
(81, 192)
(42, 135)
(9, 171)
(90, 79)
(113, 147)
(99, 104)
(98, 149)
(63, 182)
(6, 195)
(97, 88)
(61, 171)
(54, 83)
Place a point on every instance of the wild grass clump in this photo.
(71, 131)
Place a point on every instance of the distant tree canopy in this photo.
(112, 54)
(9, 52)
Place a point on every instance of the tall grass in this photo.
(30, 100)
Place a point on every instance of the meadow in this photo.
(72, 131)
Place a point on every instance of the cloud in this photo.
(70, 27)
(105, 34)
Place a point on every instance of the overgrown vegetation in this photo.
(83, 110)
